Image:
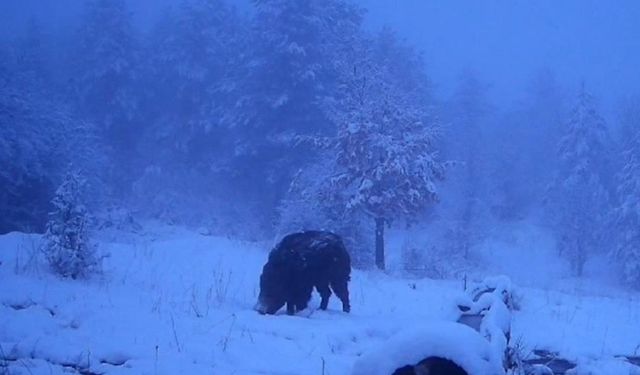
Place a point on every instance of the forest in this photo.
(328, 187)
(295, 115)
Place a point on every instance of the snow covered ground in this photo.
(174, 301)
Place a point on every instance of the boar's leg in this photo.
(303, 295)
(341, 290)
(325, 293)
(301, 305)
(298, 298)
(302, 299)
(292, 298)
(291, 307)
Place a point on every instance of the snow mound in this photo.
(487, 309)
(453, 341)
(499, 286)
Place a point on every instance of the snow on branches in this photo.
(627, 215)
(385, 162)
(67, 246)
(581, 194)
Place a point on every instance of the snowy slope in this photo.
(179, 302)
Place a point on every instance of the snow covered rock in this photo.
(447, 340)
(498, 285)
(486, 307)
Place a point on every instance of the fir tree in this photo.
(38, 135)
(628, 118)
(385, 162)
(581, 197)
(469, 114)
(193, 61)
(67, 246)
(524, 138)
(32, 58)
(106, 72)
(193, 65)
(289, 71)
(627, 214)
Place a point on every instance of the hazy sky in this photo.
(504, 40)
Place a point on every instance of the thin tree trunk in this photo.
(380, 242)
(582, 258)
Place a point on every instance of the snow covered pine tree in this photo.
(67, 246)
(627, 215)
(385, 162)
(581, 198)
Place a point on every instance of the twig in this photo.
(155, 365)
(604, 340)
(194, 302)
(175, 334)
(225, 340)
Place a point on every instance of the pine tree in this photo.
(524, 138)
(292, 67)
(38, 135)
(193, 59)
(385, 162)
(627, 214)
(67, 246)
(193, 67)
(580, 192)
(289, 71)
(31, 58)
(468, 113)
(628, 118)
(105, 76)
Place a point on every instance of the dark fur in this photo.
(432, 366)
(300, 262)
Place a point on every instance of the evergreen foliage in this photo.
(68, 247)
(626, 251)
(581, 197)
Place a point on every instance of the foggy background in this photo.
(504, 41)
(202, 116)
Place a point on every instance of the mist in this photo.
(201, 124)
(319, 186)
(504, 41)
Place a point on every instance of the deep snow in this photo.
(174, 301)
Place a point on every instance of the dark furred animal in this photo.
(432, 366)
(300, 262)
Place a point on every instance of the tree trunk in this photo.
(380, 242)
(581, 260)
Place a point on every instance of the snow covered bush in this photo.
(67, 246)
(500, 286)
